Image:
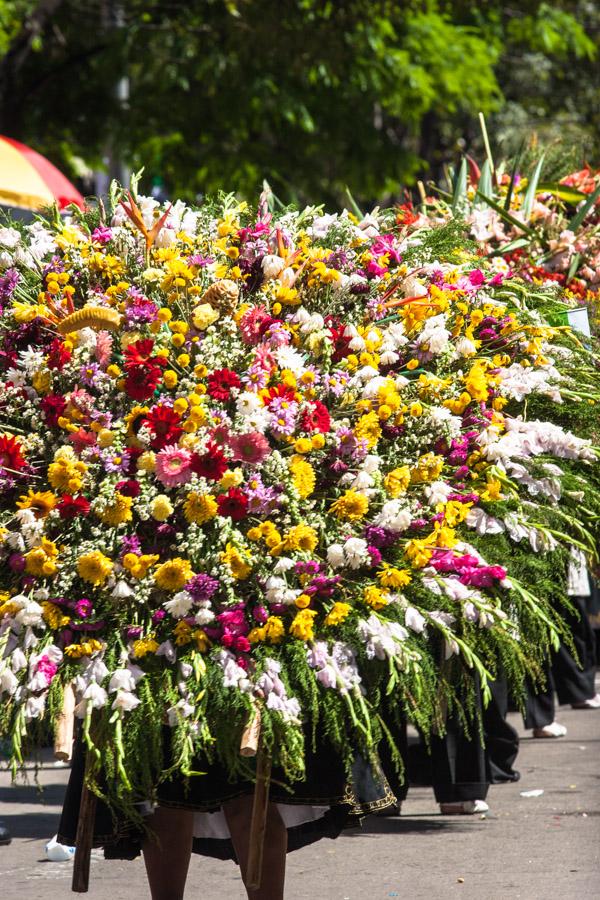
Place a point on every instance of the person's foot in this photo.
(553, 730)
(5, 837)
(590, 703)
(464, 808)
(56, 852)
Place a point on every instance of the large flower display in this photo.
(322, 465)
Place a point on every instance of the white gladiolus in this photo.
(167, 650)
(414, 620)
(34, 707)
(8, 682)
(29, 614)
(121, 680)
(122, 590)
(125, 701)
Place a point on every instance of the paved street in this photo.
(529, 848)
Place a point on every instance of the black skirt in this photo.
(324, 803)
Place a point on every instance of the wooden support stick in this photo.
(63, 735)
(258, 825)
(84, 840)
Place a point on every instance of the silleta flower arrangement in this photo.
(298, 460)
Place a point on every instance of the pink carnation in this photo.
(173, 466)
(46, 668)
(250, 448)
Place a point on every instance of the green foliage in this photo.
(314, 95)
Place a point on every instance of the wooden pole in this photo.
(251, 745)
(63, 735)
(84, 840)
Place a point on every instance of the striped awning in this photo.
(28, 180)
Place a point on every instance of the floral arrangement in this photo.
(291, 459)
(548, 232)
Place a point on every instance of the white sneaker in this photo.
(464, 808)
(590, 703)
(553, 730)
(56, 852)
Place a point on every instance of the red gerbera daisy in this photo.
(211, 465)
(70, 507)
(142, 381)
(233, 504)
(220, 383)
(317, 418)
(139, 353)
(165, 423)
(11, 454)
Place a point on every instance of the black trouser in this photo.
(573, 683)
(462, 767)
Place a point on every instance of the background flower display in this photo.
(295, 459)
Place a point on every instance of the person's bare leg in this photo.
(238, 813)
(167, 853)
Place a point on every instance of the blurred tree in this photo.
(312, 94)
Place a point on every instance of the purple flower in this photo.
(90, 374)
(8, 283)
(322, 586)
(131, 544)
(283, 416)
(380, 537)
(375, 555)
(202, 587)
(158, 616)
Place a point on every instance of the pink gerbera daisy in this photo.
(250, 448)
(173, 466)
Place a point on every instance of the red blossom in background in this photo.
(220, 383)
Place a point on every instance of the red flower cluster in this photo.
(220, 383)
(58, 355)
(53, 407)
(144, 371)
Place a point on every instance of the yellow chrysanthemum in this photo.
(301, 537)
(173, 574)
(200, 508)
(143, 646)
(66, 475)
(117, 511)
(303, 625)
(337, 614)
(139, 566)
(374, 597)
(42, 559)
(41, 502)
(161, 508)
(238, 566)
(147, 462)
(397, 481)
(351, 506)
(94, 567)
(86, 648)
(390, 577)
(53, 616)
(303, 476)
(368, 429)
